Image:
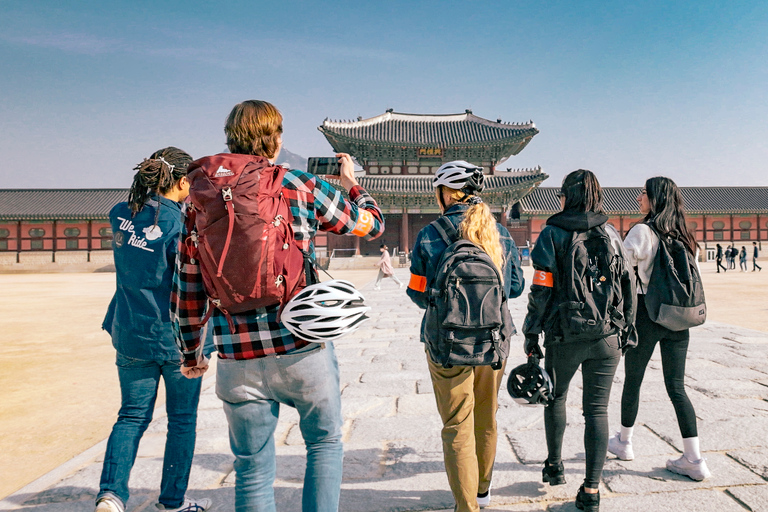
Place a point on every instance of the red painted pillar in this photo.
(18, 242)
(55, 240)
(405, 244)
(731, 217)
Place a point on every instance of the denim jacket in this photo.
(429, 247)
(138, 318)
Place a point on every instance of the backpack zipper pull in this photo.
(277, 220)
(226, 193)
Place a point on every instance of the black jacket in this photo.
(547, 256)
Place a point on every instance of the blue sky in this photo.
(627, 89)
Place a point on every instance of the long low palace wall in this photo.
(61, 261)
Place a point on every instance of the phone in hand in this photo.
(323, 166)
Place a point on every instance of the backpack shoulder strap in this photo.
(446, 229)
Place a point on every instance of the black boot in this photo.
(587, 502)
(554, 474)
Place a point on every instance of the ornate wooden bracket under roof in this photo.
(411, 138)
(501, 190)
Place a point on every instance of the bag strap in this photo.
(446, 230)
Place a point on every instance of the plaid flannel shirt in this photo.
(314, 204)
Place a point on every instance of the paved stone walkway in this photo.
(393, 457)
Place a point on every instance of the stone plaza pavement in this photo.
(393, 457)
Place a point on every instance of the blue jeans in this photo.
(139, 380)
(252, 391)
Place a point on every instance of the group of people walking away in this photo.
(731, 253)
(234, 263)
(586, 299)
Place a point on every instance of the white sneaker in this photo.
(695, 470)
(623, 450)
(189, 505)
(485, 499)
(108, 504)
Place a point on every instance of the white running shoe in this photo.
(189, 505)
(695, 470)
(485, 499)
(108, 504)
(623, 450)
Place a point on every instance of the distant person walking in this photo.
(385, 268)
(731, 254)
(145, 241)
(755, 255)
(662, 204)
(719, 258)
(743, 259)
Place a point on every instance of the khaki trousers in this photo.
(467, 400)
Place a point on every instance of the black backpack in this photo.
(675, 294)
(590, 302)
(467, 322)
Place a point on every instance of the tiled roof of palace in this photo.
(419, 185)
(73, 204)
(697, 200)
(434, 130)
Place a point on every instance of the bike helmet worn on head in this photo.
(460, 175)
(325, 311)
(529, 384)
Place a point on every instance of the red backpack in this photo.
(242, 226)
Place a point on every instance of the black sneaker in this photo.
(554, 474)
(587, 502)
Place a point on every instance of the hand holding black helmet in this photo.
(529, 383)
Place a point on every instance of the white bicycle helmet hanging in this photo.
(325, 311)
(460, 175)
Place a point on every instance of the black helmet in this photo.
(529, 383)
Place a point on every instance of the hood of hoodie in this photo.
(577, 221)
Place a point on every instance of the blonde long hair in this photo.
(479, 227)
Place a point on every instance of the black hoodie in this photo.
(547, 258)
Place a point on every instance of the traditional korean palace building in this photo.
(400, 154)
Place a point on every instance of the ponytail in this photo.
(479, 227)
(157, 174)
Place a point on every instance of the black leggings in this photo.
(674, 347)
(598, 361)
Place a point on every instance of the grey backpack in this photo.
(675, 294)
(467, 322)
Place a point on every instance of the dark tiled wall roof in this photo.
(435, 130)
(697, 200)
(37, 204)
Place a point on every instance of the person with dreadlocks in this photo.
(466, 396)
(146, 232)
